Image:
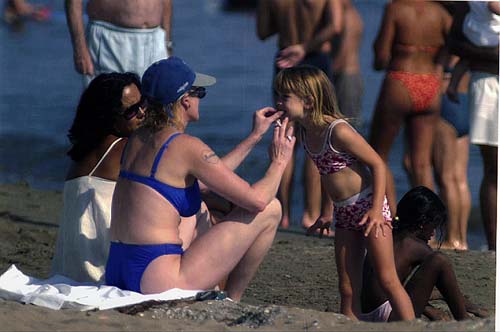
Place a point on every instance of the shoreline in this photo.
(294, 289)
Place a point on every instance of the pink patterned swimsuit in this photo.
(348, 213)
(329, 160)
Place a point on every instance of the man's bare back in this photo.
(347, 57)
(127, 13)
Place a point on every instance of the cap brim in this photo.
(204, 80)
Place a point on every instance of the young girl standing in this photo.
(353, 175)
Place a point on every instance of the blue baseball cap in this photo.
(168, 79)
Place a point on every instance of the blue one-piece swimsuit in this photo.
(127, 262)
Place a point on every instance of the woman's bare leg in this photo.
(235, 247)
(488, 193)
(462, 161)
(436, 270)
(444, 160)
(349, 256)
(392, 105)
(420, 143)
(381, 253)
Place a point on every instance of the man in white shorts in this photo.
(121, 36)
(483, 109)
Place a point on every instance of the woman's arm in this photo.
(263, 118)
(209, 169)
(383, 43)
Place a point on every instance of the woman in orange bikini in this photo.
(411, 34)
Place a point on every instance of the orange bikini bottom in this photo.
(422, 88)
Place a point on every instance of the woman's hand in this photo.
(281, 148)
(374, 218)
(263, 118)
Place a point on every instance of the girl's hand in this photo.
(281, 148)
(374, 218)
(322, 224)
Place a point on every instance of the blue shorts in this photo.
(127, 262)
(455, 114)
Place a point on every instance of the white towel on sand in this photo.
(59, 292)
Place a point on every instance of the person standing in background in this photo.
(409, 38)
(121, 36)
(346, 69)
(483, 104)
(302, 26)
(450, 160)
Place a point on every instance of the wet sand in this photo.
(295, 288)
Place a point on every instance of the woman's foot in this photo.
(454, 245)
(285, 221)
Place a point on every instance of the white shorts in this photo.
(116, 49)
(483, 108)
(380, 314)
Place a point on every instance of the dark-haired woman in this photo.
(419, 213)
(110, 109)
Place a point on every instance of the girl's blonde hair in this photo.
(308, 82)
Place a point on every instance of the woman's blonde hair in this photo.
(311, 84)
(159, 116)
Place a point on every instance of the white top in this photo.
(481, 26)
(83, 238)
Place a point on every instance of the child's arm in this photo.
(324, 222)
(348, 140)
(458, 72)
(494, 7)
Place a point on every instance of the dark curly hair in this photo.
(99, 107)
(418, 207)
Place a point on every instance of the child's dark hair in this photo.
(97, 111)
(418, 207)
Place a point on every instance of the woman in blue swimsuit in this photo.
(157, 201)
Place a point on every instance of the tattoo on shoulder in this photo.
(210, 157)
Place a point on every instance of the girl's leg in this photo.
(235, 247)
(462, 160)
(285, 191)
(349, 256)
(436, 270)
(312, 193)
(444, 160)
(392, 105)
(381, 252)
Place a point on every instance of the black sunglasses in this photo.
(197, 91)
(130, 112)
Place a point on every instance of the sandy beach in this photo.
(294, 289)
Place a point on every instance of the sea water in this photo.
(39, 90)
